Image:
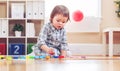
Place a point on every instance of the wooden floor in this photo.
(83, 64)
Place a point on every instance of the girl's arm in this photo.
(47, 49)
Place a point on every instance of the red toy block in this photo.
(61, 56)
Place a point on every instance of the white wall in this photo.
(90, 8)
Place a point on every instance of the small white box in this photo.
(4, 28)
(30, 30)
(41, 7)
(29, 10)
(17, 10)
(35, 10)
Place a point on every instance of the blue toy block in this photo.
(22, 57)
(37, 57)
(41, 57)
(15, 57)
(16, 49)
(55, 56)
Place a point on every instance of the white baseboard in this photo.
(91, 49)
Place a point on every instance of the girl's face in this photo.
(59, 21)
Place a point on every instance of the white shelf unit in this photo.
(28, 13)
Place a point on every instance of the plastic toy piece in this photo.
(16, 57)
(52, 53)
(83, 57)
(36, 57)
(41, 57)
(9, 58)
(2, 57)
(61, 57)
(47, 57)
(55, 56)
(31, 57)
(23, 57)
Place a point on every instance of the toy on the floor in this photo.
(55, 54)
(83, 57)
(2, 57)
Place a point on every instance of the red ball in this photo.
(77, 15)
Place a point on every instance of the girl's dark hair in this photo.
(59, 9)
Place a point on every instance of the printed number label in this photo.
(16, 49)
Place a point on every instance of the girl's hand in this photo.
(47, 49)
(63, 53)
(51, 51)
